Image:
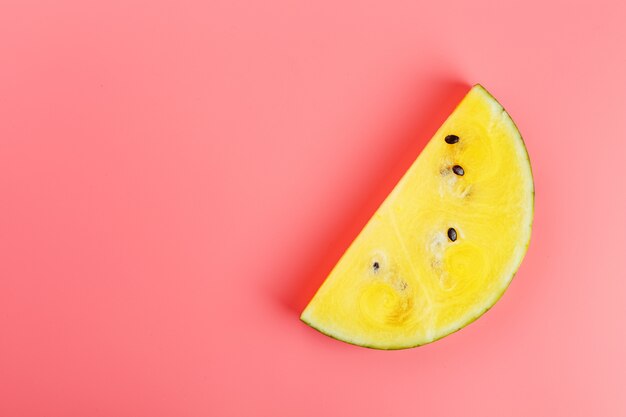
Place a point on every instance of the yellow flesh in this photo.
(426, 286)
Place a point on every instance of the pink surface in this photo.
(177, 178)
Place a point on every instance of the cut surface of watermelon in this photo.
(444, 245)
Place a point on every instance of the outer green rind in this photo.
(472, 319)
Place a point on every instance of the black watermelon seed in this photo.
(452, 234)
(458, 170)
(451, 139)
(376, 266)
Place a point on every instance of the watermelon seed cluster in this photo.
(458, 170)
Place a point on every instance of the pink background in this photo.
(177, 178)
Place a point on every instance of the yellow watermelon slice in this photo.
(444, 245)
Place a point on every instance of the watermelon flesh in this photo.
(444, 245)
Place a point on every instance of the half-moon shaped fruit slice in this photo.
(446, 242)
